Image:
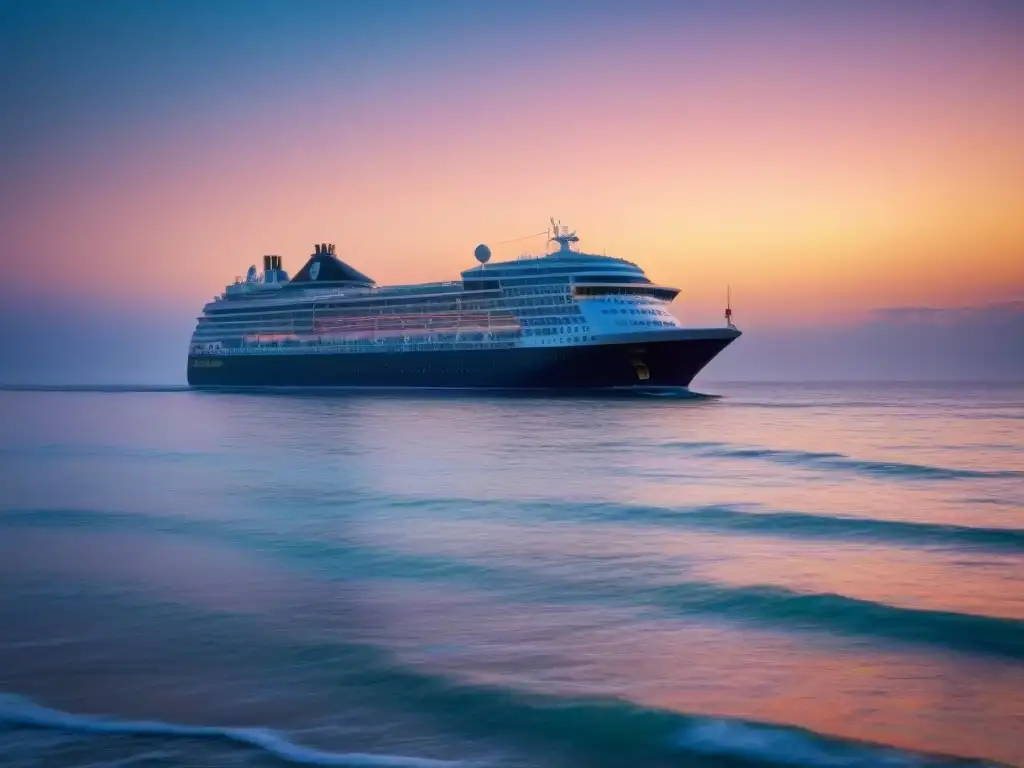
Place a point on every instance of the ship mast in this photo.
(562, 236)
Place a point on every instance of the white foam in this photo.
(19, 710)
(736, 739)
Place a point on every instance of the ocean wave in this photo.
(725, 518)
(770, 605)
(840, 461)
(731, 519)
(672, 393)
(21, 711)
(821, 404)
(602, 732)
(330, 559)
(981, 411)
(971, 633)
(725, 739)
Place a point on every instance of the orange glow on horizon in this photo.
(816, 188)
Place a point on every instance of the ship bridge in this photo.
(589, 274)
(571, 297)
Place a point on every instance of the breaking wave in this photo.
(21, 711)
(606, 732)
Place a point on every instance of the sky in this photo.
(831, 162)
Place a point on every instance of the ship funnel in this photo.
(268, 263)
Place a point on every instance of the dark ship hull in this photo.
(660, 359)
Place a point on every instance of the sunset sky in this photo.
(825, 159)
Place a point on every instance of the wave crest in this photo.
(21, 711)
(840, 461)
(599, 729)
(722, 518)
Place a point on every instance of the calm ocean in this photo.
(774, 575)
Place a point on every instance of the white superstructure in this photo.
(564, 298)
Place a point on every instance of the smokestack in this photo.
(268, 263)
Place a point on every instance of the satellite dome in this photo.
(482, 253)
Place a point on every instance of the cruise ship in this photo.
(567, 320)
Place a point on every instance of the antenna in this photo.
(562, 236)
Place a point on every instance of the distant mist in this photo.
(82, 345)
(894, 344)
(75, 345)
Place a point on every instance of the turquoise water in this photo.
(773, 575)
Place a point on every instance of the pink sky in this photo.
(821, 168)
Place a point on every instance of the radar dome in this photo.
(482, 253)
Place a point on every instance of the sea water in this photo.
(773, 575)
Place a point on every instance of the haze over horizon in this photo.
(836, 165)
